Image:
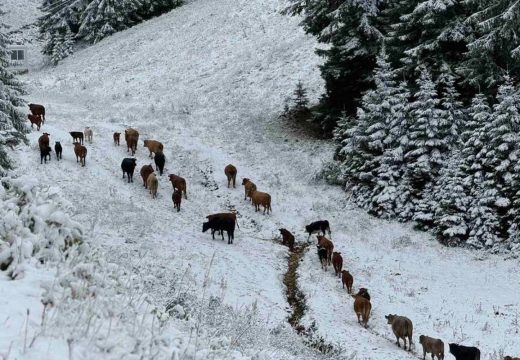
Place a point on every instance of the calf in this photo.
(128, 165)
(362, 308)
(433, 346)
(347, 280)
(220, 224)
(177, 199)
(35, 119)
(159, 160)
(43, 141)
(88, 134)
(287, 238)
(464, 352)
(322, 255)
(58, 149)
(81, 153)
(327, 244)
(37, 109)
(44, 152)
(116, 137)
(179, 184)
(77, 136)
(317, 226)
(146, 170)
(337, 262)
(231, 174)
(402, 328)
(153, 184)
(153, 146)
(249, 187)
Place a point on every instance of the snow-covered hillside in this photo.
(208, 81)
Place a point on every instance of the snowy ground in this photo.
(207, 80)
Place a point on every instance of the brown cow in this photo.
(231, 174)
(177, 199)
(362, 308)
(153, 146)
(116, 137)
(337, 262)
(511, 358)
(434, 347)
(249, 187)
(35, 119)
(153, 184)
(43, 141)
(327, 244)
(131, 138)
(37, 109)
(261, 199)
(287, 238)
(347, 280)
(146, 170)
(179, 183)
(402, 328)
(81, 153)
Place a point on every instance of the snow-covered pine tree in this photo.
(102, 18)
(432, 33)
(367, 139)
(497, 44)
(451, 105)
(12, 121)
(428, 142)
(56, 24)
(300, 99)
(450, 202)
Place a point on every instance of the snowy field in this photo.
(208, 80)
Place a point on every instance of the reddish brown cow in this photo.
(116, 138)
(337, 262)
(146, 170)
(362, 308)
(131, 137)
(81, 153)
(43, 141)
(511, 358)
(231, 174)
(35, 119)
(287, 238)
(327, 244)
(37, 109)
(179, 184)
(347, 280)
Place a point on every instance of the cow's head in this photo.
(205, 226)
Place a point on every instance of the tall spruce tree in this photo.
(451, 105)
(102, 18)
(12, 121)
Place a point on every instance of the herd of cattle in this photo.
(402, 327)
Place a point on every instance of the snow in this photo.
(208, 80)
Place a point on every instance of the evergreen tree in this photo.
(450, 202)
(428, 134)
(433, 33)
(496, 45)
(452, 107)
(12, 121)
(151, 8)
(102, 18)
(300, 96)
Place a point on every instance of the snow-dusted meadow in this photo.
(208, 80)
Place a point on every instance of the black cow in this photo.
(159, 162)
(322, 225)
(44, 152)
(465, 352)
(58, 149)
(128, 166)
(364, 292)
(77, 136)
(221, 224)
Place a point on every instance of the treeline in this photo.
(422, 99)
(65, 22)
